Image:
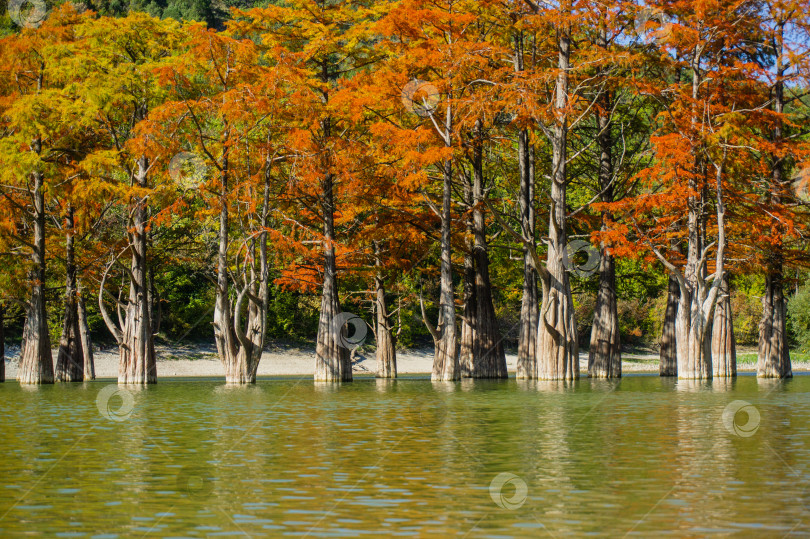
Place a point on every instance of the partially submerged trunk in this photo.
(529, 305)
(557, 343)
(604, 355)
(773, 356)
(669, 350)
(89, 366)
(724, 349)
(332, 356)
(445, 358)
(70, 359)
(240, 349)
(488, 356)
(386, 342)
(36, 361)
(466, 342)
(698, 296)
(134, 336)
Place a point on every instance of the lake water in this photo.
(195, 458)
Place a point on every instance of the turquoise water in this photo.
(195, 458)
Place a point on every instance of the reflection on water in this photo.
(407, 457)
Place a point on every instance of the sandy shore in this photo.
(201, 360)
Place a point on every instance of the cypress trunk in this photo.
(467, 341)
(724, 349)
(669, 351)
(773, 356)
(445, 358)
(489, 358)
(239, 348)
(136, 347)
(557, 343)
(36, 361)
(137, 355)
(529, 305)
(697, 299)
(332, 359)
(604, 355)
(466, 344)
(89, 366)
(386, 342)
(70, 359)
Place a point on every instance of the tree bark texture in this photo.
(724, 349)
(36, 361)
(70, 358)
(557, 343)
(668, 365)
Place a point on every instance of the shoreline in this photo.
(200, 360)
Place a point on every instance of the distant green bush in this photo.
(798, 319)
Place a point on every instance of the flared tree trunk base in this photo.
(36, 361)
(773, 356)
(386, 354)
(445, 359)
(557, 346)
(237, 370)
(668, 365)
(724, 347)
(137, 353)
(70, 358)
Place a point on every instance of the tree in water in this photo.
(668, 364)
(110, 51)
(323, 141)
(28, 164)
(70, 359)
(785, 32)
(724, 349)
(482, 354)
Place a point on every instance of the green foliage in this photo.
(799, 318)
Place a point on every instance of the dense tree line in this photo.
(421, 159)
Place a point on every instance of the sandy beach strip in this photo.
(201, 360)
